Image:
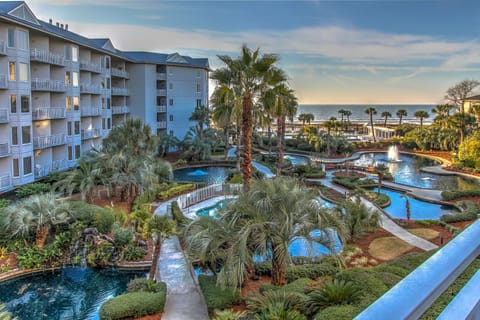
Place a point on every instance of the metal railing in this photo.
(161, 92)
(48, 113)
(120, 73)
(47, 57)
(161, 124)
(4, 118)
(120, 109)
(3, 81)
(162, 109)
(41, 170)
(161, 76)
(42, 142)
(5, 182)
(90, 111)
(48, 85)
(120, 91)
(4, 149)
(90, 66)
(92, 133)
(3, 48)
(215, 190)
(90, 88)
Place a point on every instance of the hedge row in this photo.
(133, 305)
(294, 272)
(216, 297)
(175, 190)
(452, 195)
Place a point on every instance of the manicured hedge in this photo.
(175, 190)
(216, 297)
(452, 195)
(343, 312)
(133, 305)
(33, 188)
(301, 285)
(467, 215)
(294, 272)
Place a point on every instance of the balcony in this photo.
(161, 76)
(48, 85)
(90, 111)
(3, 81)
(90, 66)
(161, 124)
(90, 88)
(4, 116)
(162, 109)
(48, 113)
(120, 91)
(120, 73)
(91, 133)
(4, 149)
(43, 142)
(47, 57)
(3, 48)
(5, 182)
(42, 170)
(161, 92)
(120, 109)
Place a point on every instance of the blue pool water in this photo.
(205, 175)
(297, 160)
(419, 210)
(407, 172)
(71, 293)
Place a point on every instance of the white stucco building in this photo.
(61, 93)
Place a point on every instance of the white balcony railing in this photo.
(161, 76)
(3, 81)
(161, 124)
(47, 57)
(4, 149)
(48, 113)
(90, 66)
(4, 116)
(90, 111)
(120, 91)
(90, 88)
(5, 182)
(41, 170)
(161, 92)
(120, 109)
(42, 142)
(91, 133)
(120, 73)
(162, 109)
(3, 48)
(48, 85)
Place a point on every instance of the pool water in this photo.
(407, 171)
(69, 293)
(419, 210)
(206, 175)
(297, 160)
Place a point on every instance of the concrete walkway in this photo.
(387, 223)
(184, 299)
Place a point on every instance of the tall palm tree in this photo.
(201, 115)
(421, 114)
(400, 114)
(160, 228)
(347, 113)
(263, 220)
(386, 115)
(166, 142)
(358, 218)
(371, 111)
(342, 114)
(36, 215)
(252, 74)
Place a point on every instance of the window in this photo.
(109, 103)
(13, 103)
(109, 123)
(11, 37)
(108, 82)
(75, 79)
(16, 168)
(77, 151)
(74, 54)
(14, 136)
(170, 86)
(76, 103)
(68, 53)
(107, 62)
(171, 101)
(171, 132)
(27, 165)
(68, 80)
(198, 87)
(22, 39)
(71, 53)
(171, 117)
(104, 124)
(70, 153)
(69, 128)
(26, 137)
(11, 71)
(25, 102)
(77, 127)
(199, 103)
(23, 72)
(68, 103)
(198, 73)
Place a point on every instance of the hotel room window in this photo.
(16, 168)
(11, 37)
(12, 74)
(13, 103)
(104, 123)
(68, 79)
(14, 136)
(77, 127)
(70, 153)
(170, 86)
(171, 101)
(77, 151)
(68, 103)
(171, 117)
(22, 37)
(26, 134)
(23, 72)
(198, 88)
(25, 103)
(27, 165)
(69, 128)
(76, 103)
(109, 123)
(199, 103)
(75, 79)
(74, 54)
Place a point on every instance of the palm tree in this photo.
(381, 170)
(200, 115)
(400, 114)
(358, 218)
(386, 115)
(36, 215)
(347, 113)
(371, 112)
(160, 228)
(342, 114)
(263, 220)
(421, 114)
(252, 74)
(167, 141)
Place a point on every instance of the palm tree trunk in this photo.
(278, 271)
(239, 143)
(281, 134)
(269, 133)
(225, 132)
(41, 236)
(247, 127)
(371, 125)
(156, 256)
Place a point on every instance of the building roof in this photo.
(19, 12)
(473, 98)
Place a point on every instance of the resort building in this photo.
(61, 93)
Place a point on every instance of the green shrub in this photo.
(4, 203)
(263, 268)
(134, 253)
(343, 312)
(147, 285)
(216, 297)
(409, 261)
(469, 213)
(311, 271)
(455, 194)
(123, 237)
(31, 189)
(370, 286)
(104, 219)
(381, 199)
(316, 175)
(178, 215)
(236, 179)
(133, 305)
(174, 190)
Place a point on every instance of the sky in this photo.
(334, 52)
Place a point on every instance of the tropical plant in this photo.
(287, 299)
(385, 116)
(371, 111)
(167, 142)
(358, 218)
(160, 228)
(381, 170)
(228, 315)
(421, 114)
(400, 114)
(333, 292)
(201, 115)
(469, 151)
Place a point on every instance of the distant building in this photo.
(470, 102)
(61, 93)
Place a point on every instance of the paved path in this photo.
(387, 224)
(184, 299)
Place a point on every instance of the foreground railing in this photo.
(199, 195)
(412, 296)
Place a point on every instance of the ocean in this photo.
(324, 112)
